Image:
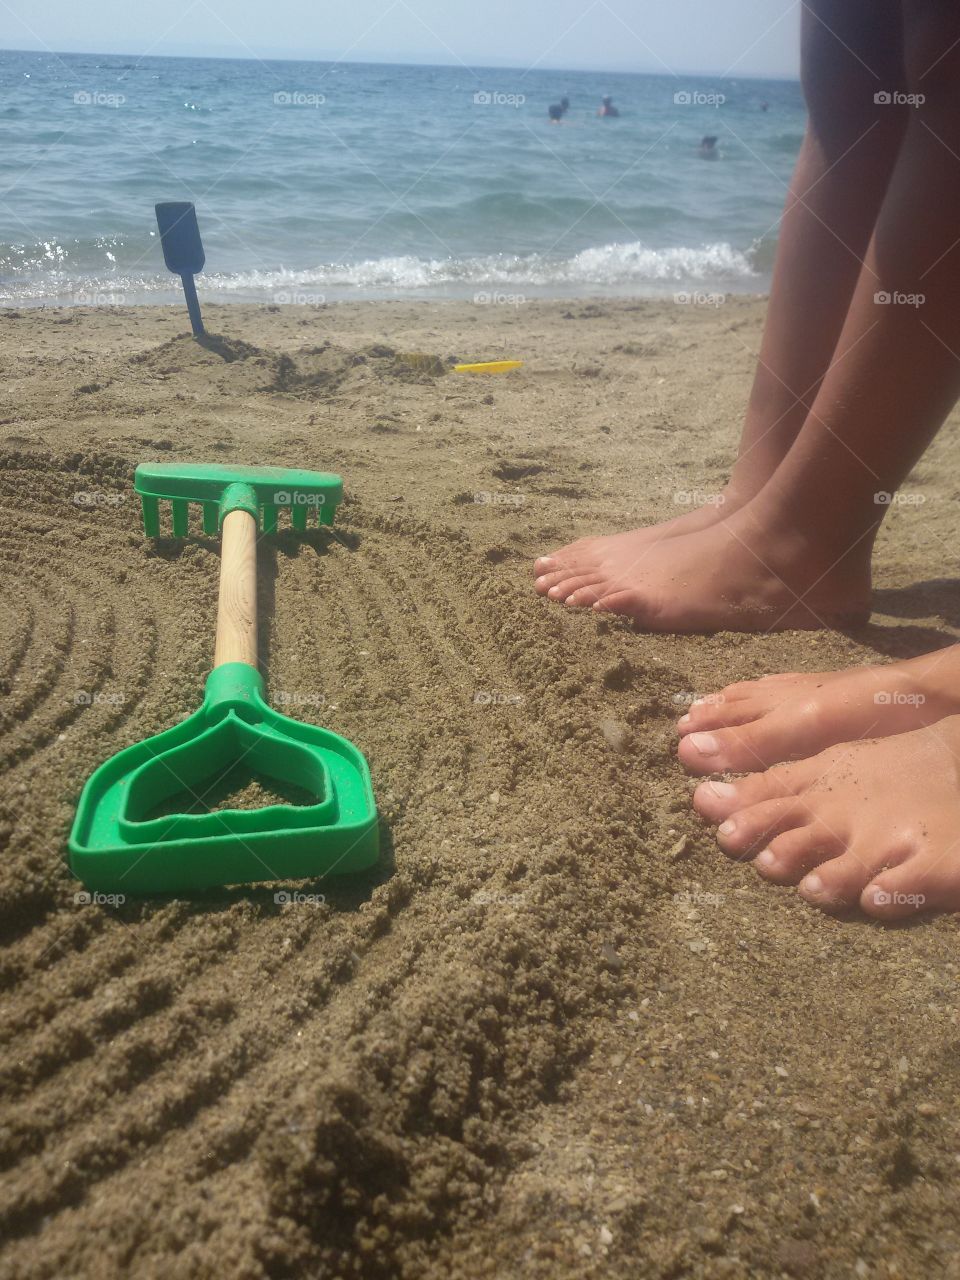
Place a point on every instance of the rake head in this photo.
(262, 491)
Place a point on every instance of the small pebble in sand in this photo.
(679, 849)
(616, 734)
(782, 1072)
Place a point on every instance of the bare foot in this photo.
(872, 823)
(737, 574)
(788, 717)
(580, 565)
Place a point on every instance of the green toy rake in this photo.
(144, 823)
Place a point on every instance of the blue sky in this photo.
(736, 37)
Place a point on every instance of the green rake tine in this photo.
(151, 516)
(211, 518)
(269, 517)
(298, 518)
(181, 517)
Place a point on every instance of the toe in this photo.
(574, 554)
(717, 712)
(574, 582)
(789, 856)
(785, 733)
(548, 580)
(839, 883)
(630, 603)
(715, 800)
(722, 750)
(585, 597)
(918, 884)
(741, 689)
(748, 829)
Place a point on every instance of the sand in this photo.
(556, 1034)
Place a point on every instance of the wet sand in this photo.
(555, 1034)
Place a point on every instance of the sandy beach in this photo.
(556, 1034)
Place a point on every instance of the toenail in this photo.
(811, 886)
(684, 720)
(765, 858)
(727, 828)
(705, 743)
(544, 563)
(722, 790)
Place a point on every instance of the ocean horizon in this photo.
(319, 182)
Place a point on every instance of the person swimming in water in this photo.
(708, 148)
(606, 107)
(557, 110)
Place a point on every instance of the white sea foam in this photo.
(611, 265)
(633, 268)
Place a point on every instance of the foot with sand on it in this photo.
(872, 824)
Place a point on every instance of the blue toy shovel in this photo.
(183, 251)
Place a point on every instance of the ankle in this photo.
(809, 532)
(809, 562)
(740, 489)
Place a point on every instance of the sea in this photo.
(317, 182)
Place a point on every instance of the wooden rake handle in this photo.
(237, 603)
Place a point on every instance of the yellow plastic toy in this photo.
(488, 366)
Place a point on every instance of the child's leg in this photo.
(849, 50)
(875, 821)
(798, 554)
(849, 53)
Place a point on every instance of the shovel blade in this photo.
(180, 237)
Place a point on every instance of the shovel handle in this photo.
(237, 604)
(193, 305)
